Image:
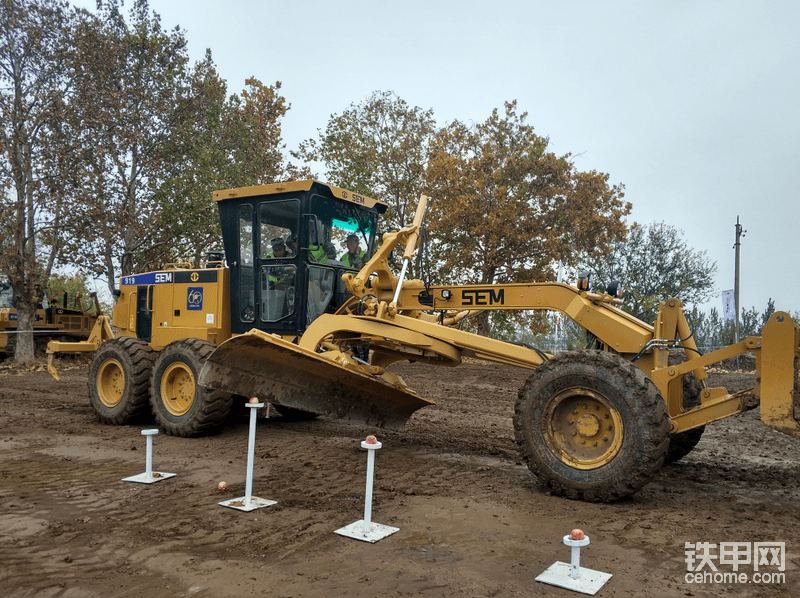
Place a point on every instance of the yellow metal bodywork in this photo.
(403, 325)
(777, 366)
(400, 319)
(291, 186)
(100, 332)
(211, 323)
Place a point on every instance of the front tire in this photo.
(592, 426)
(181, 407)
(119, 380)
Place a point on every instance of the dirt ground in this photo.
(473, 521)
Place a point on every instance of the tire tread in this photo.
(650, 406)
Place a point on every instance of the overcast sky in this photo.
(693, 105)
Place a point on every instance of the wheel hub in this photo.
(178, 388)
(583, 428)
(110, 383)
(587, 425)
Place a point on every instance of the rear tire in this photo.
(119, 380)
(592, 426)
(181, 407)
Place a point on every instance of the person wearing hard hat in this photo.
(280, 277)
(278, 248)
(355, 256)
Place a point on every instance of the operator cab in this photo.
(287, 246)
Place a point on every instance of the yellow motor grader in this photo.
(293, 321)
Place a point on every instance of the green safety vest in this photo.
(273, 278)
(346, 258)
(318, 254)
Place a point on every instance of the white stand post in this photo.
(248, 502)
(571, 576)
(365, 529)
(149, 477)
(575, 557)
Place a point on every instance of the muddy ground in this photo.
(473, 521)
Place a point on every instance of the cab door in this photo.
(144, 312)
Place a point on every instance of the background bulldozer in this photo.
(54, 320)
(288, 320)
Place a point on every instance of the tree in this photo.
(166, 137)
(379, 148)
(654, 263)
(37, 148)
(61, 286)
(507, 209)
(225, 143)
(132, 94)
(251, 134)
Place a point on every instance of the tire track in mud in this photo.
(71, 527)
(40, 547)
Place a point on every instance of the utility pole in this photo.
(737, 246)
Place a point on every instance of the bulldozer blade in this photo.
(282, 373)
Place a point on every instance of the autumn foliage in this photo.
(113, 142)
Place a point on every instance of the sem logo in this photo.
(195, 277)
(163, 277)
(194, 299)
(483, 297)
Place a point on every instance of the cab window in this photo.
(347, 234)
(278, 222)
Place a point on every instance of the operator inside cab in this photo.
(355, 256)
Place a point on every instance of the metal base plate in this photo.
(241, 505)
(587, 582)
(143, 478)
(376, 531)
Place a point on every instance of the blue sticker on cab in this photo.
(194, 299)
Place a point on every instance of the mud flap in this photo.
(277, 371)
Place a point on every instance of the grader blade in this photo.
(282, 373)
(778, 374)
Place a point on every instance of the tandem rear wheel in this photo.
(181, 406)
(592, 426)
(119, 380)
